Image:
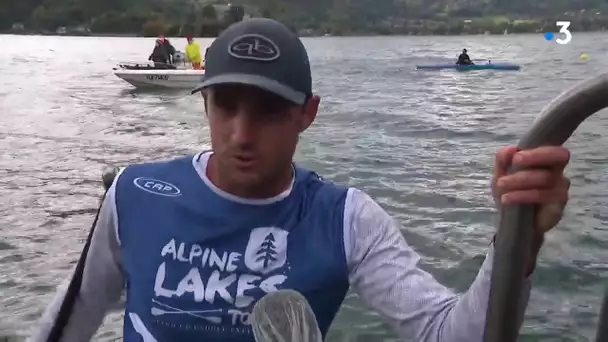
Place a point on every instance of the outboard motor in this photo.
(179, 58)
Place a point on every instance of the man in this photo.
(193, 53)
(160, 55)
(168, 47)
(464, 59)
(198, 240)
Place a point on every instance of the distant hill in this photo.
(314, 17)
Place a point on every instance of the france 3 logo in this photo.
(564, 36)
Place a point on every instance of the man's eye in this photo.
(273, 111)
(225, 103)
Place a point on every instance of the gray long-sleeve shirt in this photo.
(383, 271)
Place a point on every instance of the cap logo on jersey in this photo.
(254, 47)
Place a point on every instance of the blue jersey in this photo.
(195, 263)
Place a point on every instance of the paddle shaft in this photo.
(67, 306)
(602, 331)
(513, 243)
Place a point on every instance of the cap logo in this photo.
(254, 47)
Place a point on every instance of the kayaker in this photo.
(199, 239)
(464, 59)
(193, 53)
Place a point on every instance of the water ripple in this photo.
(421, 143)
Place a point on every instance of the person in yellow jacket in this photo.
(193, 53)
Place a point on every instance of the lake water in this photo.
(421, 143)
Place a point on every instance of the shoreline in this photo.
(362, 34)
(23, 33)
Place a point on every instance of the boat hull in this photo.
(492, 66)
(177, 79)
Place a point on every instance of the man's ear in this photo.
(204, 95)
(311, 109)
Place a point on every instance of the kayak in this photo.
(487, 66)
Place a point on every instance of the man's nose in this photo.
(244, 127)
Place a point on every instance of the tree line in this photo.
(137, 17)
(336, 17)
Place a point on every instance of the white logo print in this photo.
(140, 328)
(266, 250)
(157, 187)
(218, 288)
(165, 309)
(254, 47)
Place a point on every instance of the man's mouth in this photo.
(244, 161)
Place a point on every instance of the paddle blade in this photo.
(284, 316)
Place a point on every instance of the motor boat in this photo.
(148, 75)
(155, 75)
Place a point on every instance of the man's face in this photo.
(254, 133)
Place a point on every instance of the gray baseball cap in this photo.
(262, 53)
